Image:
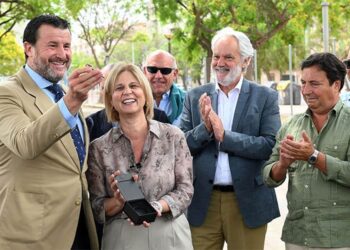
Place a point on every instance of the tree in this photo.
(14, 11)
(135, 49)
(104, 24)
(11, 55)
(8, 17)
(269, 24)
(80, 59)
(190, 64)
(260, 20)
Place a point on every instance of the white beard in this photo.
(233, 74)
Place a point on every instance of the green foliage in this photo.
(270, 24)
(13, 11)
(11, 55)
(134, 50)
(80, 59)
(75, 6)
(104, 24)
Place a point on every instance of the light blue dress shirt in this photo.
(43, 84)
(165, 105)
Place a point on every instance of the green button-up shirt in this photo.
(318, 204)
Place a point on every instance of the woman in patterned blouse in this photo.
(155, 152)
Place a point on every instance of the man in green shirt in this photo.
(313, 148)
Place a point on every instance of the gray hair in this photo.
(160, 51)
(245, 46)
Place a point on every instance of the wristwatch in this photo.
(313, 158)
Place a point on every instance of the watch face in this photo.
(312, 159)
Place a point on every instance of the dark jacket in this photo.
(248, 144)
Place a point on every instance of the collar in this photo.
(335, 110)
(38, 79)
(166, 95)
(238, 86)
(154, 128)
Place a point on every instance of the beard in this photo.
(44, 69)
(233, 74)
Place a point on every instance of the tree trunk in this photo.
(249, 75)
(208, 65)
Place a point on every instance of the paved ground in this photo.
(272, 241)
(274, 228)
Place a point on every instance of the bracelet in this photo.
(157, 206)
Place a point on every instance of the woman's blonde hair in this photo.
(112, 114)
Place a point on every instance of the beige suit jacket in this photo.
(41, 184)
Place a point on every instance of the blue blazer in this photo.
(249, 144)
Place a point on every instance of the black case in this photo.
(136, 207)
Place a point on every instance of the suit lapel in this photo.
(43, 103)
(241, 104)
(86, 139)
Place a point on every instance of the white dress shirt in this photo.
(226, 110)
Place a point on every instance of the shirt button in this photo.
(334, 203)
(77, 203)
(336, 147)
(306, 208)
(306, 186)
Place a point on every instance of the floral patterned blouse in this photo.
(165, 170)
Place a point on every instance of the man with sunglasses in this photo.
(161, 71)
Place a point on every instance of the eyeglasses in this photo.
(347, 63)
(154, 70)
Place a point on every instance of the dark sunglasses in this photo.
(164, 71)
(347, 63)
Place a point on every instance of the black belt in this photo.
(221, 188)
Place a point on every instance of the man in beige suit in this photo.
(44, 202)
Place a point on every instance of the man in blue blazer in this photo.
(230, 128)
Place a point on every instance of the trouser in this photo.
(224, 222)
(81, 240)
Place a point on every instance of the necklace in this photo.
(135, 168)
